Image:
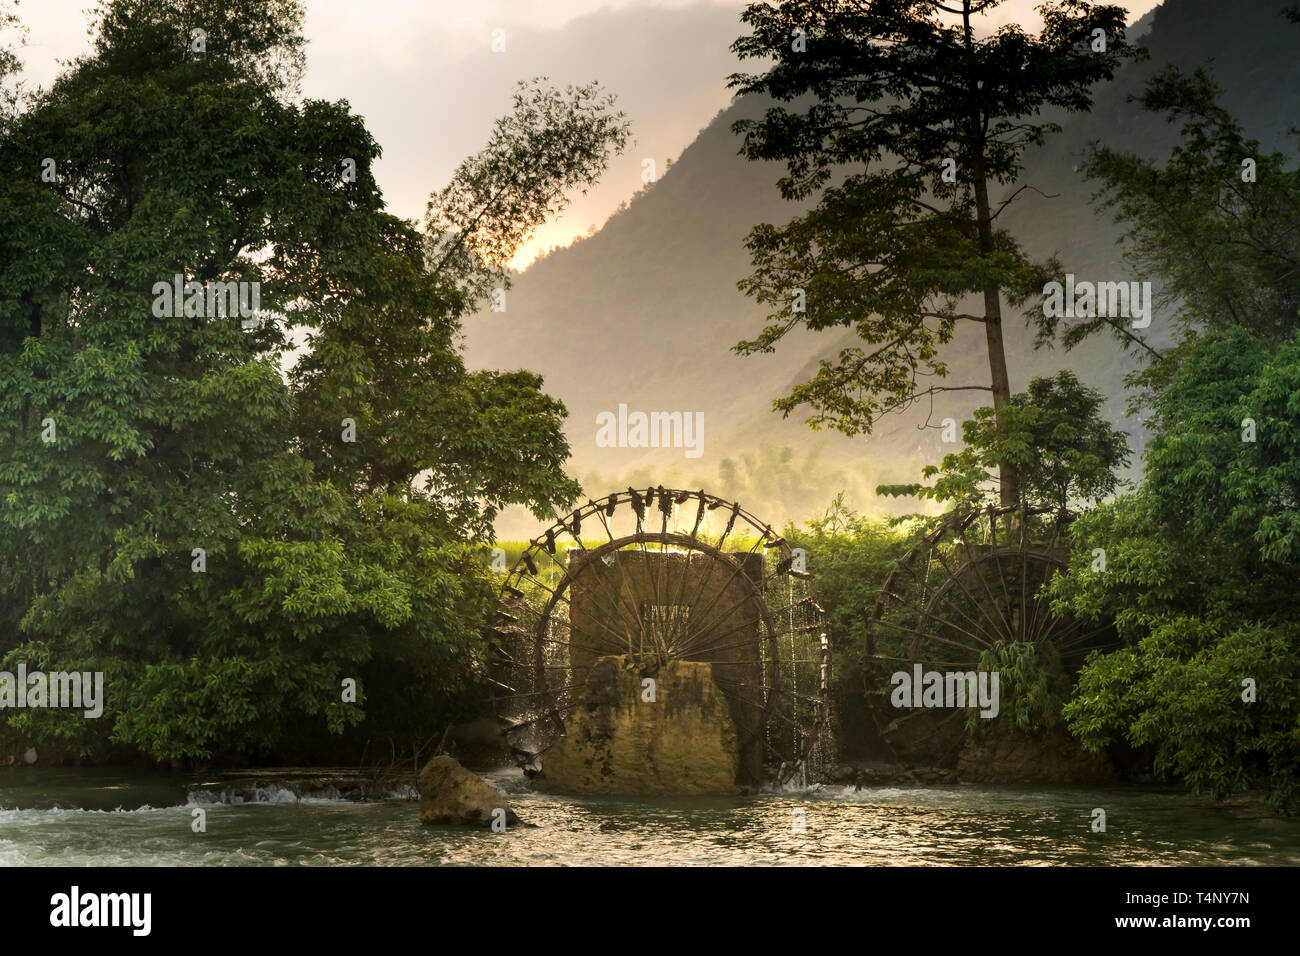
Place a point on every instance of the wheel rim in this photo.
(966, 587)
(673, 575)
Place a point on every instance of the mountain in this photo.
(644, 312)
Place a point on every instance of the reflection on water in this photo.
(67, 817)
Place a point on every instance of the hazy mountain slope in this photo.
(645, 312)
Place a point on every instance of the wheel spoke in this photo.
(929, 606)
(669, 595)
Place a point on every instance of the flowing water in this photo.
(106, 817)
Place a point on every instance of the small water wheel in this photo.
(962, 593)
(661, 575)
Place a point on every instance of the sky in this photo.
(425, 78)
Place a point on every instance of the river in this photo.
(110, 817)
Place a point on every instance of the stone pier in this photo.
(618, 742)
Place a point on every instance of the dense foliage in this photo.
(232, 516)
(1200, 578)
(849, 556)
(1201, 562)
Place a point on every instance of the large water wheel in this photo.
(964, 593)
(661, 575)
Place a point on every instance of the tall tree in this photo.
(914, 120)
(1201, 561)
(1216, 220)
(185, 507)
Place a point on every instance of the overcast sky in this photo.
(423, 75)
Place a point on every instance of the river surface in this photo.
(106, 817)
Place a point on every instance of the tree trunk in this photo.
(1009, 480)
(1001, 381)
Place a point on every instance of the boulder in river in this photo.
(450, 794)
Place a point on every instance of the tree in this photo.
(186, 508)
(939, 118)
(1199, 578)
(9, 62)
(1200, 563)
(550, 144)
(1055, 437)
(1217, 221)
